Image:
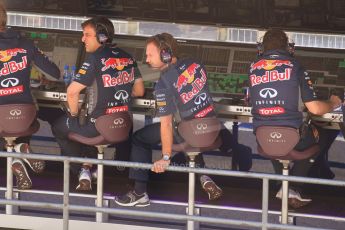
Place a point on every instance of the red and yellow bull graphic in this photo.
(13, 66)
(271, 111)
(270, 76)
(6, 55)
(115, 63)
(269, 64)
(116, 109)
(187, 77)
(197, 86)
(123, 78)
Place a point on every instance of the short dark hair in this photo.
(164, 41)
(101, 24)
(3, 17)
(275, 39)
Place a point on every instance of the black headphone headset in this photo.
(166, 53)
(260, 48)
(102, 34)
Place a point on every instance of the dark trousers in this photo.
(45, 114)
(149, 136)
(321, 168)
(65, 125)
(76, 149)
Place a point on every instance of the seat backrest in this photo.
(16, 118)
(114, 127)
(200, 132)
(277, 141)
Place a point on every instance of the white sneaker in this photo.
(84, 180)
(295, 198)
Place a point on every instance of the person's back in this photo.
(110, 74)
(16, 56)
(185, 84)
(277, 82)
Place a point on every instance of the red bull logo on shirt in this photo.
(269, 64)
(270, 76)
(122, 78)
(197, 86)
(187, 77)
(13, 66)
(6, 55)
(115, 63)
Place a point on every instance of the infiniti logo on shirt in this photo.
(200, 99)
(121, 95)
(268, 93)
(9, 82)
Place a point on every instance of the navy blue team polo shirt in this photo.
(109, 73)
(183, 88)
(17, 55)
(277, 81)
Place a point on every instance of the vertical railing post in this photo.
(191, 191)
(285, 193)
(100, 179)
(265, 194)
(9, 185)
(66, 194)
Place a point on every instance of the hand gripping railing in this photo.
(66, 207)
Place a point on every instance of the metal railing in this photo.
(66, 207)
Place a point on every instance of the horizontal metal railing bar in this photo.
(183, 217)
(183, 204)
(33, 204)
(151, 214)
(219, 172)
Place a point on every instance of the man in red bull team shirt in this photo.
(17, 56)
(112, 78)
(181, 92)
(276, 81)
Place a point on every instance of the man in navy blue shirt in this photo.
(111, 78)
(277, 82)
(17, 55)
(182, 93)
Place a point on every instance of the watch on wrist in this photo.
(166, 157)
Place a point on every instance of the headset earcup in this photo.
(102, 38)
(166, 55)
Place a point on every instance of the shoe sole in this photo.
(84, 185)
(36, 169)
(296, 203)
(213, 191)
(136, 204)
(26, 179)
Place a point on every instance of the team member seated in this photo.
(182, 85)
(17, 55)
(112, 78)
(276, 81)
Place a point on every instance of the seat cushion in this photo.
(185, 147)
(29, 131)
(278, 142)
(17, 119)
(98, 140)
